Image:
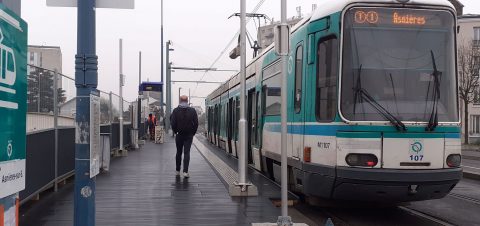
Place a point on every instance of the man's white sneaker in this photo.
(186, 175)
(177, 173)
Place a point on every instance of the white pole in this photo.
(242, 124)
(284, 219)
(120, 118)
(55, 124)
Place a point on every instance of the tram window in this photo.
(237, 113)
(298, 79)
(273, 95)
(327, 70)
(257, 112)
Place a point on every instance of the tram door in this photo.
(297, 128)
(250, 123)
(229, 125)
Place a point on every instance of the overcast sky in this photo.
(199, 31)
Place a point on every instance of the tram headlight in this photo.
(363, 160)
(454, 160)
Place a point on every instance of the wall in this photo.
(465, 36)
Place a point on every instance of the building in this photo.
(469, 31)
(48, 57)
(458, 6)
(266, 35)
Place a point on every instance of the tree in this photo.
(468, 73)
(40, 91)
(104, 111)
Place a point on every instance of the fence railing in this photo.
(47, 91)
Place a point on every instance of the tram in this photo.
(373, 112)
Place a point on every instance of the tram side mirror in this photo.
(458, 29)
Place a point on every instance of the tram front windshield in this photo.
(403, 60)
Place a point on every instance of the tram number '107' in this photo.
(416, 158)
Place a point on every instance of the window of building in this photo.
(476, 36)
(298, 79)
(327, 71)
(475, 125)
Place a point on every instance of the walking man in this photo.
(184, 122)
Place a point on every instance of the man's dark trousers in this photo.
(184, 142)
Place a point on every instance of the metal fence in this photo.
(50, 158)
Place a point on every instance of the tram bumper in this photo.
(393, 185)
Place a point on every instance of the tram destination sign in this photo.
(397, 17)
(13, 101)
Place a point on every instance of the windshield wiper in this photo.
(433, 121)
(361, 92)
(397, 123)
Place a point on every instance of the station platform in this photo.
(142, 189)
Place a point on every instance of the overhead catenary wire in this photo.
(235, 37)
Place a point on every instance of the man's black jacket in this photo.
(184, 121)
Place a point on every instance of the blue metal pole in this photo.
(86, 80)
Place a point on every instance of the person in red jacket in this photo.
(151, 126)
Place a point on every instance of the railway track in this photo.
(465, 198)
(425, 216)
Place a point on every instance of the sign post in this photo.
(13, 108)
(87, 123)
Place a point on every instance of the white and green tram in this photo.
(373, 111)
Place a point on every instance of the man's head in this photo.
(150, 115)
(183, 99)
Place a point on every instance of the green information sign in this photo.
(13, 101)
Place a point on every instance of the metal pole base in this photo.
(238, 189)
(284, 221)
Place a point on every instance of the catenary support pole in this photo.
(284, 220)
(86, 80)
(120, 92)
(168, 86)
(139, 101)
(55, 124)
(161, 50)
(242, 187)
(242, 165)
(139, 68)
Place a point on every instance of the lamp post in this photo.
(179, 88)
(168, 85)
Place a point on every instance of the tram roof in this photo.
(328, 7)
